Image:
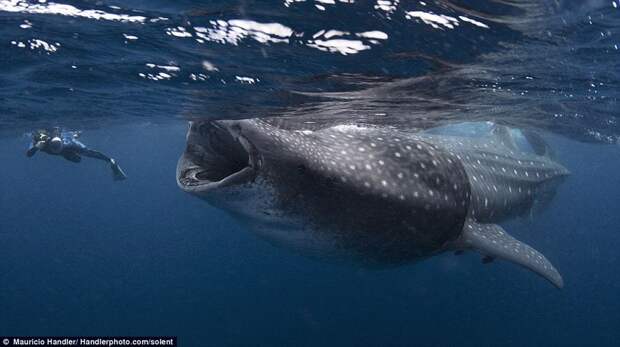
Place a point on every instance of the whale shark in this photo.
(374, 196)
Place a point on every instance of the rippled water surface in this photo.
(549, 63)
(86, 256)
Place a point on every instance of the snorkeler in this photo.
(66, 144)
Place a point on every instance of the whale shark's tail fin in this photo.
(492, 241)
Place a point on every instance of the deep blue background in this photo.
(83, 255)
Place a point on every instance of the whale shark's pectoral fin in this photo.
(492, 241)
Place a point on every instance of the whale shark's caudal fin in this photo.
(492, 241)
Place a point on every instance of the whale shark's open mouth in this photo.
(214, 159)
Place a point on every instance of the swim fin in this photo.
(117, 172)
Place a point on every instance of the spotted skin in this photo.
(383, 196)
(372, 161)
(492, 240)
(373, 196)
(505, 181)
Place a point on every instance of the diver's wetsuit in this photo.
(65, 144)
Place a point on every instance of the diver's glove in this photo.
(117, 172)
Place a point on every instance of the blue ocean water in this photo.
(84, 255)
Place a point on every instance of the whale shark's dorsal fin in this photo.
(503, 135)
(491, 240)
(538, 144)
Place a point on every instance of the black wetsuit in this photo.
(66, 144)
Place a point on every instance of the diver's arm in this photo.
(34, 147)
(31, 150)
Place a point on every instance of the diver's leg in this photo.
(72, 156)
(116, 169)
(87, 152)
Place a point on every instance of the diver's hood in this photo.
(215, 157)
(54, 145)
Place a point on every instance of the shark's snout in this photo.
(214, 158)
